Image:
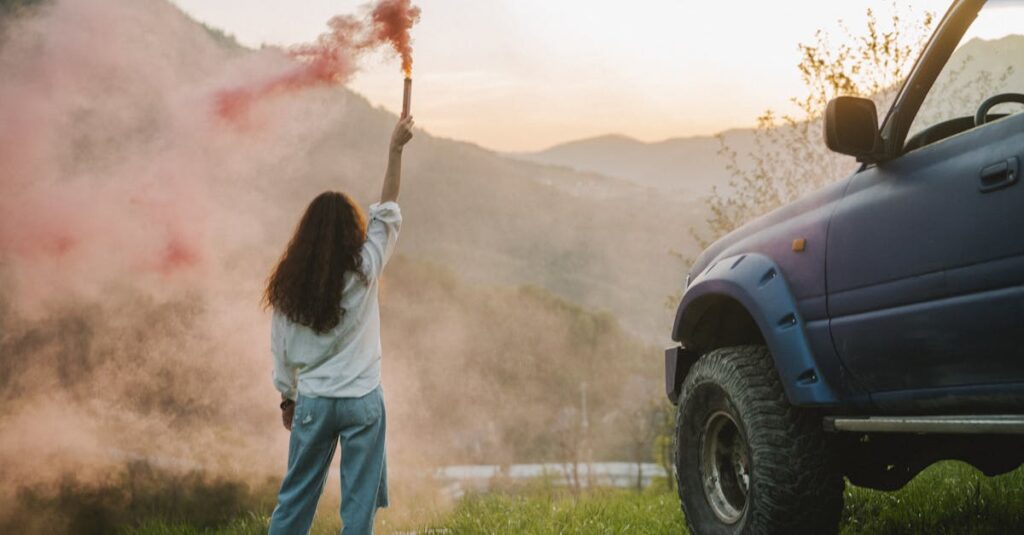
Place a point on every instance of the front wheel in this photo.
(747, 461)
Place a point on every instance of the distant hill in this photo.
(692, 165)
(688, 166)
(993, 55)
(596, 240)
(979, 69)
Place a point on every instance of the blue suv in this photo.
(877, 325)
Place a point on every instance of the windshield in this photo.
(988, 61)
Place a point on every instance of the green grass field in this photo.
(948, 498)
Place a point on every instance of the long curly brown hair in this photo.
(307, 283)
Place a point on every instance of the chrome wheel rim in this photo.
(725, 467)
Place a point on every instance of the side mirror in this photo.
(851, 127)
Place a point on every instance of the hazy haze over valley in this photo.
(137, 230)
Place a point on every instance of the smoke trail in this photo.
(133, 238)
(392, 20)
(333, 57)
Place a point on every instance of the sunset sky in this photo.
(517, 75)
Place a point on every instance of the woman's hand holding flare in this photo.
(402, 133)
(393, 175)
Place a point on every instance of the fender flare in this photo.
(756, 283)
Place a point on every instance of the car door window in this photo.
(988, 61)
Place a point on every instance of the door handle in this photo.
(999, 175)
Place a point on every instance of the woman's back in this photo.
(343, 362)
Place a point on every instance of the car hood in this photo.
(769, 233)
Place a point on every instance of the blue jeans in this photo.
(316, 428)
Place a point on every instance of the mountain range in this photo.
(693, 165)
(688, 166)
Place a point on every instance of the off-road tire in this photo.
(793, 484)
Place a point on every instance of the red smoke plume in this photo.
(392, 20)
(332, 58)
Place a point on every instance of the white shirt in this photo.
(345, 361)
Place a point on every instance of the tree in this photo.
(789, 158)
(663, 443)
(644, 426)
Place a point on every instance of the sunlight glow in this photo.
(524, 74)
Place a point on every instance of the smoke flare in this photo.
(333, 57)
(392, 20)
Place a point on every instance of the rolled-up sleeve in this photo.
(284, 377)
(381, 236)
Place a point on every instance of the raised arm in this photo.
(393, 175)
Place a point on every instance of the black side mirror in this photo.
(851, 127)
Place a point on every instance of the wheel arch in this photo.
(717, 319)
(744, 299)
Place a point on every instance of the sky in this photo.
(522, 75)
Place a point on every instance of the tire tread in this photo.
(795, 485)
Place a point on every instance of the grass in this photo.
(251, 523)
(948, 498)
(656, 510)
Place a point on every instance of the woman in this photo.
(325, 339)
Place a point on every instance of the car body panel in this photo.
(924, 267)
(759, 285)
(772, 235)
